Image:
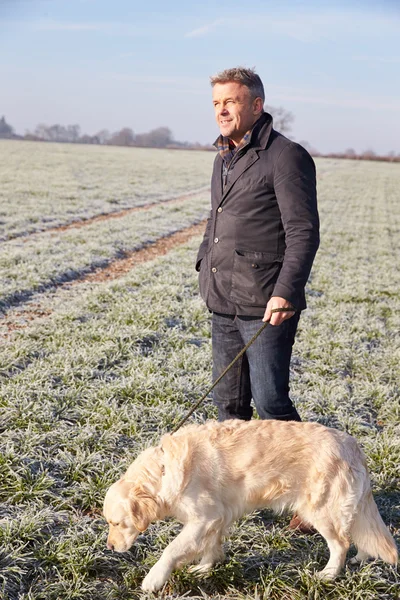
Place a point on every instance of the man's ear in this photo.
(258, 105)
(143, 509)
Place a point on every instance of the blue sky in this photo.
(114, 63)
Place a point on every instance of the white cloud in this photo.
(202, 31)
(306, 27)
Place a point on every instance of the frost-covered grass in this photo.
(36, 263)
(114, 365)
(45, 185)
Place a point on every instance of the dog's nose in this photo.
(110, 546)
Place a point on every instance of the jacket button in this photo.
(219, 209)
(214, 270)
(254, 266)
(216, 240)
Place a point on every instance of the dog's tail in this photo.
(370, 534)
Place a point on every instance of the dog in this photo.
(209, 475)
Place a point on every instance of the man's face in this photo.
(235, 111)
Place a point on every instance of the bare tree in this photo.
(368, 154)
(125, 137)
(156, 138)
(73, 133)
(103, 136)
(6, 131)
(58, 133)
(41, 132)
(350, 153)
(283, 118)
(88, 139)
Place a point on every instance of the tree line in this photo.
(162, 137)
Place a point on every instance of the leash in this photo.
(243, 350)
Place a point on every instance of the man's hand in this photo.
(278, 317)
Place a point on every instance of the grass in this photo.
(41, 261)
(114, 365)
(47, 185)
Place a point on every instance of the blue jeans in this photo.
(262, 373)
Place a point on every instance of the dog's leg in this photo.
(360, 557)
(182, 550)
(213, 554)
(338, 547)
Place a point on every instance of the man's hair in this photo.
(247, 77)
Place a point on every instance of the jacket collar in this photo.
(259, 140)
(259, 134)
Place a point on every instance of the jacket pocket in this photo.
(204, 275)
(254, 275)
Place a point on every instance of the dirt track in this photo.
(18, 319)
(83, 222)
(162, 246)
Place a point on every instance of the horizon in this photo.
(102, 66)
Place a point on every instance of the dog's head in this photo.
(131, 504)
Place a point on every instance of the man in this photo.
(258, 249)
(259, 245)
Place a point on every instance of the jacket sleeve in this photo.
(204, 243)
(295, 190)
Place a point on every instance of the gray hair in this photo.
(247, 77)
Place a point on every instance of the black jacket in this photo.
(263, 230)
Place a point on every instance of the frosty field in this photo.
(96, 371)
(44, 186)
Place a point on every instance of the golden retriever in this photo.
(207, 476)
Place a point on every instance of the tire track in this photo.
(162, 246)
(83, 222)
(16, 319)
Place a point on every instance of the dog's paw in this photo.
(327, 574)
(200, 569)
(360, 557)
(154, 580)
(208, 562)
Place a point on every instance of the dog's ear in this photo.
(143, 508)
